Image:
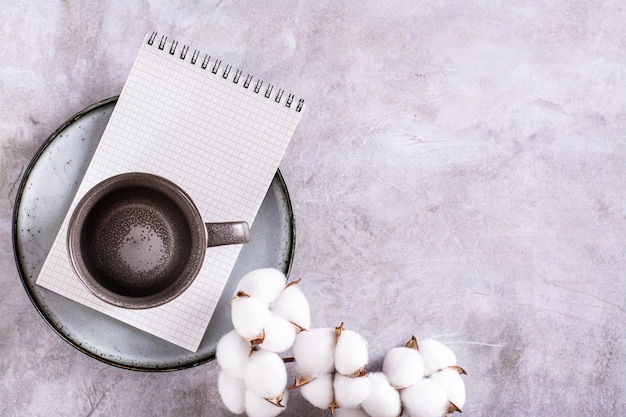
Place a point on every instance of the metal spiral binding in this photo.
(246, 83)
(279, 96)
(258, 85)
(173, 47)
(226, 72)
(237, 76)
(183, 53)
(195, 56)
(216, 66)
(205, 61)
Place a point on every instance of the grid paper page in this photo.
(218, 140)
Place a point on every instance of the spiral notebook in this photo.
(217, 133)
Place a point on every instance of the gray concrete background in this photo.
(459, 173)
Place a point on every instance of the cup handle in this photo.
(227, 233)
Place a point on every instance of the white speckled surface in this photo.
(459, 173)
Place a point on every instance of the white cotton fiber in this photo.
(256, 406)
(350, 391)
(425, 398)
(403, 367)
(314, 352)
(249, 316)
(350, 353)
(293, 305)
(265, 374)
(279, 334)
(264, 284)
(383, 399)
(319, 392)
(231, 391)
(436, 355)
(232, 353)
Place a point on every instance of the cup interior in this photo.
(136, 240)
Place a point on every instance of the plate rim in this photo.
(22, 273)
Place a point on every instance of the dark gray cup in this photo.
(137, 240)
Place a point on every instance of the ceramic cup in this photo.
(137, 240)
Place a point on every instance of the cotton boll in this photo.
(293, 306)
(256, 406)
(265, 374)
(232, 392)
(436, 355)
(249, 317)
(314, 352)
(264, 284)
(350, 412)
(425, 398)
(350, 391)
(232, 353)
(319, 391)
(350, 353)
(453, 385)
(403, 367)
(383, 399)
(279, 334)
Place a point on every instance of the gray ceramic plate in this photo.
(44, 196)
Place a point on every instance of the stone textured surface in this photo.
(459, 173)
